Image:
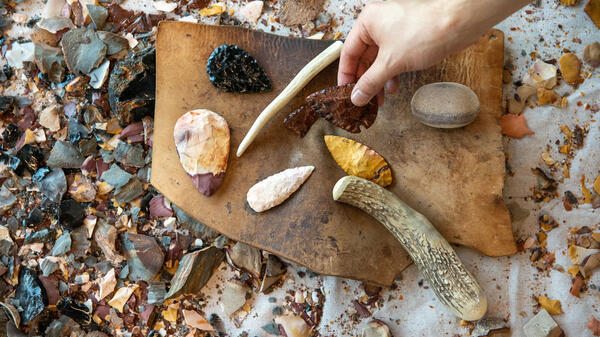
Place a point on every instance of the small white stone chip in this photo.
(542, 325)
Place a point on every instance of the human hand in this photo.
(397, 36)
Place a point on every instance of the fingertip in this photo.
(359, 98)
(369, 84)
(392, 85)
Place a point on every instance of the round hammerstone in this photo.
(445, 105)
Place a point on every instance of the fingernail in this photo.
(359, 98)
(389, 86)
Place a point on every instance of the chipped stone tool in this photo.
(453, 284)
(310, 70)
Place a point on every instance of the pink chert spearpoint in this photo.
(277, 188)
(202, 142)
(252, 11)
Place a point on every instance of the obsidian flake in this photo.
(232, 69)
(77, 311)
(31, 295)
(71, 213)
(32, 156)
(131, 87)
(11, 134)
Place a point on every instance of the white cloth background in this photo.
(509, 282)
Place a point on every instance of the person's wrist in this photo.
(452, 18)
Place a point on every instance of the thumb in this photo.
(370, 83)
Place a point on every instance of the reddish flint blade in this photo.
(334, 105)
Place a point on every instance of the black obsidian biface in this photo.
(232, 69)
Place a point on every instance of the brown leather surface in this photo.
(454, 177)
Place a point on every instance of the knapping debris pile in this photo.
(87, 245)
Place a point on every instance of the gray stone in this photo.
(194, 271)
(63, 288)
(88, 147)
(35, 217)
(48, 267)
(542, 325)
(274, 270)
(115, 176)
(62, 244)
(445, 105)
(82, 278)
(221, 241)
(105, 236)
(272, 328)
(156, 292)
(83, 50)
(103, 267)
(65, 155)
(114, 43)
(64, 326)
(120, 152)
(198, 229)
(247, 258)
(124, 272)
(135, 156)
(132, 155)
(76, 131)
(107, 156)
(12, 330)
(322, 19)
(50, 61)
(90, 261)
(144, 256)
(233, 298)
(144, 174)
(54, 185)
(485, 326)
(55, 24)
(130, 191)
(98, 14)
(7, 199)
(13, 224)
(135, 214)
(80, 243)
(6, 242)
(44, 235)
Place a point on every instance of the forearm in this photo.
(467, 20)
(485, 13)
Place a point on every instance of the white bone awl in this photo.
(277, 188)
(310, 70)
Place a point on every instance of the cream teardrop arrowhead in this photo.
(277, 188)
(202, 141)
(359, 160)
